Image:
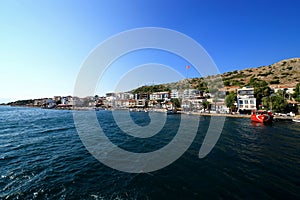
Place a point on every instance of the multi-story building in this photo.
(246, 101)
(160, 95)
(176, 94)
(187, 93)
(190, 93)
(124, 96)
(219, 106)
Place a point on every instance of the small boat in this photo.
(296, 120)
(262, 116)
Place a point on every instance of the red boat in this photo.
(262, 116)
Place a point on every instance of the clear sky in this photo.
(44, 43)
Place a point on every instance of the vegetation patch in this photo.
(283, 63)
(275, 82)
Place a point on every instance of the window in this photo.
(246, 101)
(241, 101)
(251, 102)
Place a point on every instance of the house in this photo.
(190, 93)
(160, 96)
(187, 93)
(194, 104)
(124, 96)
(38, 102)
(141, 96)
(176, 94)
(121, 103)
(141, 103)
(286, 89)
(57, 99)
(49, 103)
(246, 102)
(131, 103)
(219, 107)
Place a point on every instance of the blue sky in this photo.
(44, 43)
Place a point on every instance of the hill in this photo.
(283, 73)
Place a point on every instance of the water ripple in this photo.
(42, 157)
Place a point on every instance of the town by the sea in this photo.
(42, 157)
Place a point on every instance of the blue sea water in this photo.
(42, 157)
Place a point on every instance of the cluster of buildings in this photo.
(189, 100)
(64, 102)
(246, 102)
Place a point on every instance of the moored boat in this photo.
(262, 116)
(296, 119)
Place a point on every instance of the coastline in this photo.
(276, 118)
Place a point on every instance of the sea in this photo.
(42, 156)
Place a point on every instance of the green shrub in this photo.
(227, 83)
(283, 63)
(293, 61)
(275, 82)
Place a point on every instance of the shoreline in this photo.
(276, 118)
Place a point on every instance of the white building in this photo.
(245, 99)
(191, 93)
(219, 107)
(124, 96)
(197, 103)
(176, 94)
(187, 93)
(288, 91)
(110, 97)
(160, 96)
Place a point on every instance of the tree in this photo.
(175, 102)
(202, 87)
(296, 94)
(278, 102)
(227, 83)
(261, 89)
(205, 105)
(150, 89)
(230, 100)
(266, 103)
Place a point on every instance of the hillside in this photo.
(285, 72)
